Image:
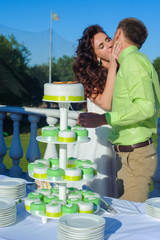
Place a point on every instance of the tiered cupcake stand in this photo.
(64, 107)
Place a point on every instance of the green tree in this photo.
(17, 87)
(64, 69)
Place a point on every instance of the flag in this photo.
(55, 16)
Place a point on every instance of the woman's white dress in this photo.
(99, 151)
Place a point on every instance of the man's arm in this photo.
(91, 120)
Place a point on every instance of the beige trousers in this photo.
(135, 172)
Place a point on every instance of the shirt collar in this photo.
(127, 51)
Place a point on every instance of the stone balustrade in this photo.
(33, 151)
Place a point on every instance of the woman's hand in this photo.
(116, 50)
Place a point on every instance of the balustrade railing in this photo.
(33, 151)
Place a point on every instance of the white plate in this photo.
(45, 140)
(11, 182)
(82, 221)
(154, 202)
(6, 203)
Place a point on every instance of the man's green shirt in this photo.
(136, 99)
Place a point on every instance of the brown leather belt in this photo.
(130, 148)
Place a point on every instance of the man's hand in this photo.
(91, 120)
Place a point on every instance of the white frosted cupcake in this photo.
(71, 162)
(40, 172)
(95, 201)
(86, 207)
(73, 174)
(53, 210)
(67, 136)
(27, 202)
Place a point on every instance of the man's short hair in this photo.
(134, 30)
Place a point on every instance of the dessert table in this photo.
(129, 223)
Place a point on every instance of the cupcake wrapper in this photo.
(89, 211)
(49, 214)
(38, 175)
(72, 178)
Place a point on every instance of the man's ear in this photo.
(118, 33)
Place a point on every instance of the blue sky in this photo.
(75, 15)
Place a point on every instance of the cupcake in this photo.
(74, 200)
(93, 165)
(92, 194)
(53, 210)
(55, 190)
(49, 199)
(55, 174)
(81, 134)
(40, 172)
(69, 208)
(73, 174)
(44, 191)
(50, 133)
(83, 192)
(38, 208)
(71, 189)
(87, 172)
(75, 195)
(54, 162)
(67, 136)
(80, 162)
(95, 201)
(46, 162)
(27, 202)
(86, 207)
(38, 195)
(31, 167)
(71, 162)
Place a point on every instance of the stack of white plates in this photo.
(152, 206)
(79, 226)
(14, 188)
(7, 211)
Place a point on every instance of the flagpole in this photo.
(50, 55)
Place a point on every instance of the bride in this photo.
(96, 67)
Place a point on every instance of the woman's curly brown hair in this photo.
(85, 67)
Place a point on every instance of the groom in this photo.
(134, 115)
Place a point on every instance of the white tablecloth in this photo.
(130, 223)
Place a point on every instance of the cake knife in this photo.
(107, 207)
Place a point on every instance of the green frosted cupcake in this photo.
(74, 200)
(87, 172)
(81, 134)
(54, 162)
(32, 195)
(83, 192)
(44, 191)
(75, 195)
(69, 208)
(38, 208)
(50, 198)
(31, 167)
(71, 189)
(80, 162)
(46, 162)
(55, 174)
(50, 133)
(55, 190)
